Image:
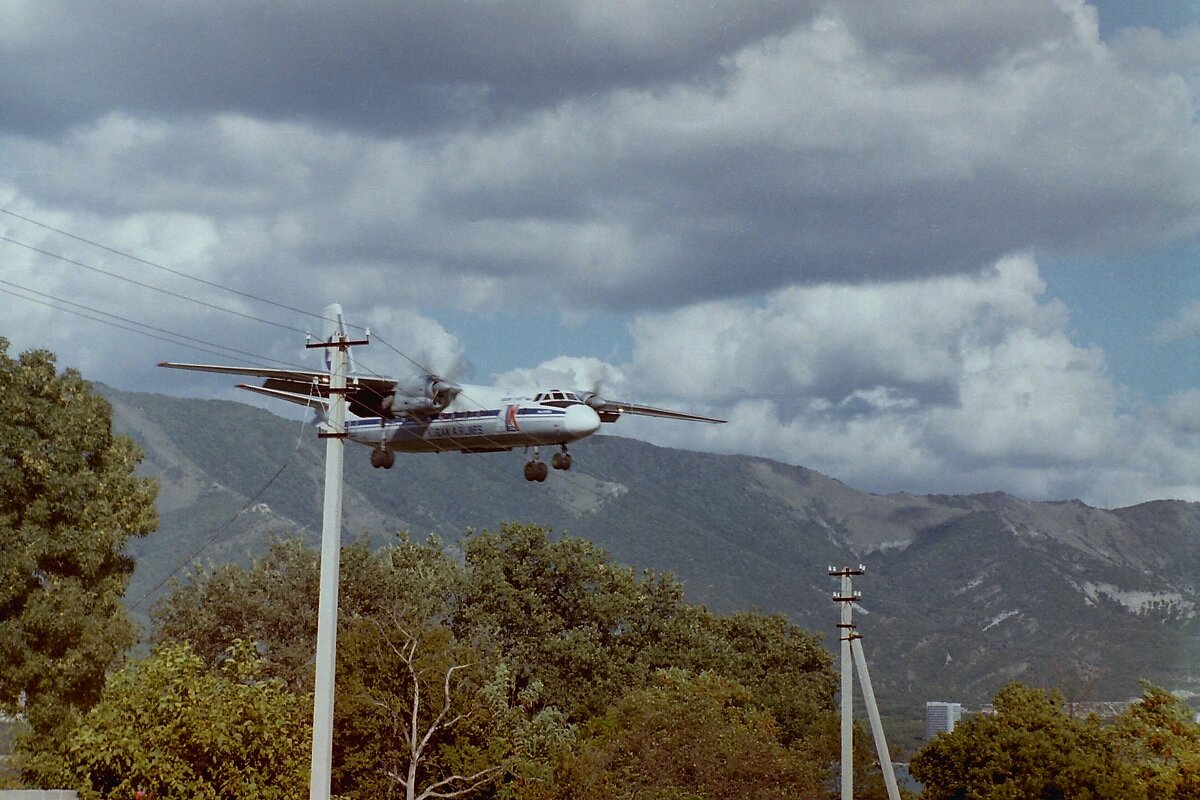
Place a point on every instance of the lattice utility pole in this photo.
(851, 641)
(331, 542)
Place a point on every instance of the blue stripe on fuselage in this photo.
(408, 421)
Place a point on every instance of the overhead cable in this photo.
(176, 272)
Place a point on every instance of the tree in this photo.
(786, 670)
(273, 601)
(411, 716)
(391, 640)
(588, 630)
(1030, 748)
(562, 613)
(689, 736)
(69, 501)
(1159, 736)
(170, 727)
(533, 636)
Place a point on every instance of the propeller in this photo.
(594, 398)
(441, 391)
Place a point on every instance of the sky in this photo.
(935, 246)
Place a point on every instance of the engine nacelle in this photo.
(441, 392)
(607, 411)
(430, 398)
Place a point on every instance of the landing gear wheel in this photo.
(561, 460)
(389, 459)
(377, 458)
(382, 458)
(536, 471)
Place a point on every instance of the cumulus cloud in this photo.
(415, 344)
(573, 373)
(957, 383)
(1186, 325)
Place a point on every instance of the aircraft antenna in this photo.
(331, 543)
(852, 647)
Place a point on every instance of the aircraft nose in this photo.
(581, 420)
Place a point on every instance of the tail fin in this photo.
(335, 325)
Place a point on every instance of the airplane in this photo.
(428, 414)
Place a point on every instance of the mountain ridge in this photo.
(962, 591)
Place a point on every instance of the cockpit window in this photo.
(557, 397)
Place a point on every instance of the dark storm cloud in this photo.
(381, 66)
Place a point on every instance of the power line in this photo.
(187, 276)
(145, 285)
(187, 341)
(155, 265)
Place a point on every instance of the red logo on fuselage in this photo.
(510, 418)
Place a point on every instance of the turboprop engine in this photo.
(428, 396)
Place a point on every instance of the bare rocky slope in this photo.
(961, 592)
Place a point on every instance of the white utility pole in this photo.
(851, 641)
(331, 542)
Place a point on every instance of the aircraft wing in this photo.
(610, 410)
(314, 400)
(367, 395)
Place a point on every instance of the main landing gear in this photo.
(535, 468)
(382, 457)
(536, 471)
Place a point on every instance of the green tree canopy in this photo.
(543, 634)
(689, 737)
(588, 629)
(1029, 749)
(563, 613)
(1158, 735)
(273, 601)
(170, 727)
(69, 501)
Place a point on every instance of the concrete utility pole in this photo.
(331, 541)
(851, 642)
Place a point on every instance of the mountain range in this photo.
(961, 593)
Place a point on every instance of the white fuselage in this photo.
(480, 419)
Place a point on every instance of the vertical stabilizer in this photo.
(335, 325)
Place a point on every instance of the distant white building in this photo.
(941, 717)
